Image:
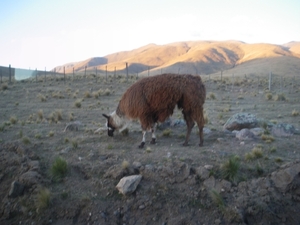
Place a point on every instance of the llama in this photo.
(153, 99)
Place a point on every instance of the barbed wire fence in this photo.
(229, 82)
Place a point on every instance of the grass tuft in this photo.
(43, 199)
(230, 169)
(59, 169)
(217, 199)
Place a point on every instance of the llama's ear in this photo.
(106, 116)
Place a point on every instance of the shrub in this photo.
(13, 120)
(125, 164)
(40, 114)
(26, 140)
(295, 113)
(217, 199)
(77, 103)
(280, 97)
(4, 87)
(59, 169)
(229, 170)
(43, 199)
(41, 97)
(269, 96)
(167, 132)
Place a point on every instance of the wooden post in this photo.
(270, 80)
(9, 73)
(126, 71)
(64, 76)
(96, 75)
(106, 73)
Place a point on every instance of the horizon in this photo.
(41, 35)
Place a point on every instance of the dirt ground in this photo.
(33, 118)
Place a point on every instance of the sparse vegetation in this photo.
(43, 199)
(229, 170)
(59, 169)
(77, 103)
(13, 119)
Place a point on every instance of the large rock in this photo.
(241, 120)
(283, 130)
(245, 134)
(288, 178)
(128, 185)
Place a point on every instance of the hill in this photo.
(198, 57)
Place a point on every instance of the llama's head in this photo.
(111, 127)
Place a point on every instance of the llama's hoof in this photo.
(185, 144)
(153, 141)
(142, 145)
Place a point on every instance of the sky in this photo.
(41, 34)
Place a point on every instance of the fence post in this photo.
(270, 80)
(96, 75)
(126, 71)
(106, 73)
(64, 76)
(9, 73)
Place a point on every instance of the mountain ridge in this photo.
(196, 57)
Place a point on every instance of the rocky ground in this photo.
(247, 173)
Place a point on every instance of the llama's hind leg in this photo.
(200, 123)
(153, 129)
(190, 124)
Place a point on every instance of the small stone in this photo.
(16, 189)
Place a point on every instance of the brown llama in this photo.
(153, 99)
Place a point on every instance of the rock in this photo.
(16, 189)
(183, 172)
(241, 120)
(30, 178)
(287, 179)
(283, 130)
(136, 165)
(34, 165)
(209, 183)
(257, 131)
(74, 126)
(245, 134)
(208, 167)
(202, 173)
(128, 185)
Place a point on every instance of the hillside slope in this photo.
(197, 57)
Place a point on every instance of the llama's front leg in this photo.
(153, 140)
(143, 140)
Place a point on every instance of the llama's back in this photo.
(160, 94)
